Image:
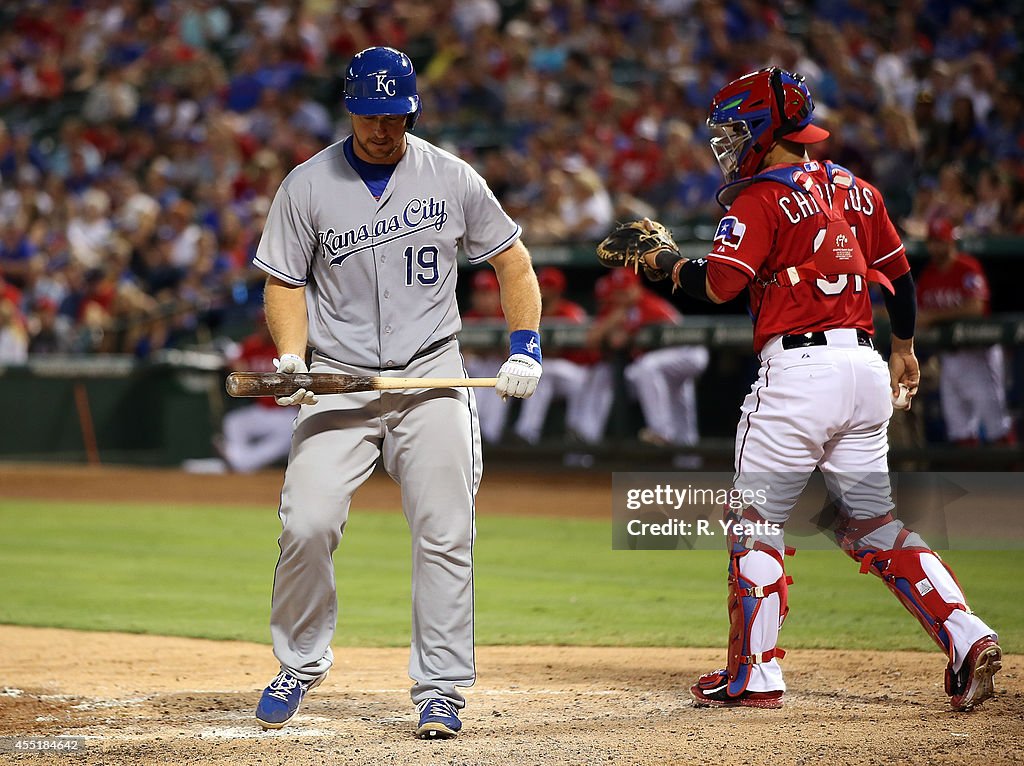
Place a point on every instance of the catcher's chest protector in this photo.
(836, 249)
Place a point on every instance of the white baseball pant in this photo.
(664, 382)
(973, 393)
(824, 407)
(562, 379)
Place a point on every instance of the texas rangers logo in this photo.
(973, 283)
(730, 231)
(385, 83)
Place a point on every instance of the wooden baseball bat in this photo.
(245, 384)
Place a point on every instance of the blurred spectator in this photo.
(992, 207)
(971, 385)
(13, 336)
(90, 231)
(586, 208)
(187, 115)
(113, 99)
(16, 252)
(638, 165)
(543, 223)
(49, 332)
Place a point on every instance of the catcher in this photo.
(805, 238)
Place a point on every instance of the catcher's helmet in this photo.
(750, 114)
(382, 81)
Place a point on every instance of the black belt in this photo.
(423, 352)
(819, 339)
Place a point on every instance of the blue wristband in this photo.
(525, 342)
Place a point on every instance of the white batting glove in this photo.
(290, 364)
(518, 377)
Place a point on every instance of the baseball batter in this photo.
(360, 247)
(805, 238)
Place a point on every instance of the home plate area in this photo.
(138, 699)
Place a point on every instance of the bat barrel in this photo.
(246, 384)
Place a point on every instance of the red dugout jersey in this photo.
(257, 353)
(650, 309)
(570, 313)
(950, 288)
(771, 227)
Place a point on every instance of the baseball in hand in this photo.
(902, 401)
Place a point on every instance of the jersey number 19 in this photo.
(421, 266)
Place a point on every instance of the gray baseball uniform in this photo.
(380, 293)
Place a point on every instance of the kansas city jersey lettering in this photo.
(797, 206)
(419, 214)
(730, 231)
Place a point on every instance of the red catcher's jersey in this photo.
(950, 288)
(771, 227)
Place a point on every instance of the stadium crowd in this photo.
(141, 140)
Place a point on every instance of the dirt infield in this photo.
(562, 494)
(155, 700)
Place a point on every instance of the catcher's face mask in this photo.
(728, 141)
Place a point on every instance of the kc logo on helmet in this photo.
(385, 83)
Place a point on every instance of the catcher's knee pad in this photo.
(914, 573)
(758, 604)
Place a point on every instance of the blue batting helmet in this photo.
(382, 81)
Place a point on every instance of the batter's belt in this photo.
(437, 344)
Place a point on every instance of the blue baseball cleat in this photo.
(439, 719)
(281, 699)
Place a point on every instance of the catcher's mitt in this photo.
(629, 242)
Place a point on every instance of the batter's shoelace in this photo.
(282, 686)
(437, 707)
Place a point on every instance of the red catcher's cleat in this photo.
(972, 685)
(711, 690)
